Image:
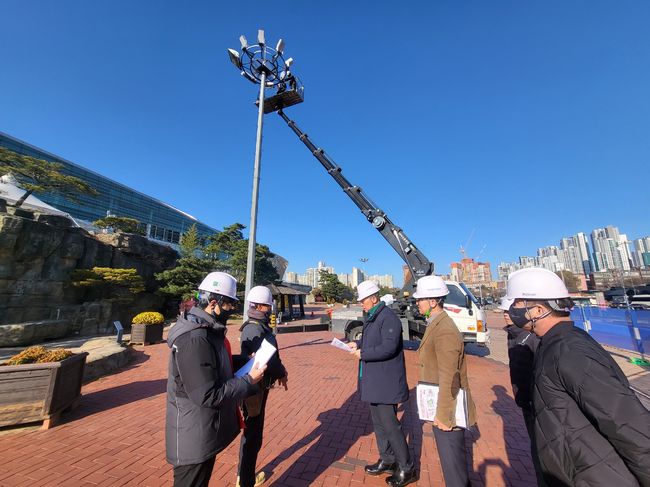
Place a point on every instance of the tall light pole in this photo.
(267, 67)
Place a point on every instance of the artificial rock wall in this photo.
(38, 252)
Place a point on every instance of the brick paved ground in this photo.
(318, 432)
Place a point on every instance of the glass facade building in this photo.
(163, 222)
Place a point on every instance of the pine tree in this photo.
(41, 176)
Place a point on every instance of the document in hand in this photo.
(262, 357)
(428, 403)
(340, 345)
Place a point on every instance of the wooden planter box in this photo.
(40, 392)
(146, 334)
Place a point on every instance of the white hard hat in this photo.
(366, 288)
(536, 283)
(220, 283)
(260, 295)
(430, 287)
(506, 302)
(388, 299)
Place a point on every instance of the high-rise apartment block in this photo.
(610, 251)
(383, 280)
(641, 252)
(471, 272)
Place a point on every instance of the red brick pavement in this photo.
(317, 432)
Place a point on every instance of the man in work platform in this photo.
(588, 425)
(382, 380)
(203, 396)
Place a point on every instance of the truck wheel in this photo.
(355, 333)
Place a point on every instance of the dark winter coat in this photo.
(522, 346)
(381, 368)
(253, 332)
(202, 394)
(590, 428)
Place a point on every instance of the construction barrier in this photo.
(628, 329)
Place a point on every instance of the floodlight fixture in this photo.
(249, 77)
(289, 62)
(234, 58)
(260, 37)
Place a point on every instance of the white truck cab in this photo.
(461, 306)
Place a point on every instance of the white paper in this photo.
(262, 357)
(340, 345)
(427, 396)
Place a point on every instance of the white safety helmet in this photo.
(220, 283)
(506, 303)
(260, 295)
(388, 299)
(430, 287)
(365, 289)
(536, 284)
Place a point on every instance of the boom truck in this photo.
(460, 304)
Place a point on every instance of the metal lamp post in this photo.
(266, 66)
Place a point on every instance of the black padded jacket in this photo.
(202, 394)
(590, 429)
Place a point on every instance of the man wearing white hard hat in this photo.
(442, 362)
(382, 382)
(522, 345)
(203, 395)
(254, 331)
(589, 426)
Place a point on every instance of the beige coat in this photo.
(442, 361)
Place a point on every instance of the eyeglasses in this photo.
(226, 301)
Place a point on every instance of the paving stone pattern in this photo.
(317, 433)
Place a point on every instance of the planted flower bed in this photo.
(147, 328)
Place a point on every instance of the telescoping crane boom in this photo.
(417, 262)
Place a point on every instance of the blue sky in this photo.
(519, 122)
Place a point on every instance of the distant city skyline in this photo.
(311, 276)
(606, 249)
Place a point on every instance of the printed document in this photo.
(262, 357)
(340, 345)
(427, 395)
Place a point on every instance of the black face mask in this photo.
(518, 316)
(223, 316)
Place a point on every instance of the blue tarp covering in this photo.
(615, 326)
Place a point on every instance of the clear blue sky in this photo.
(526, 121)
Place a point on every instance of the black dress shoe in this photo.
(402, 477)
(380, 467)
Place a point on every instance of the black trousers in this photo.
(529, 419)
(391, 441)
(453, 456)
(251, 444)
(197, 475)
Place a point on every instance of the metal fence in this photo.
(628, 329)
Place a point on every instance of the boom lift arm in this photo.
(416, 260)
